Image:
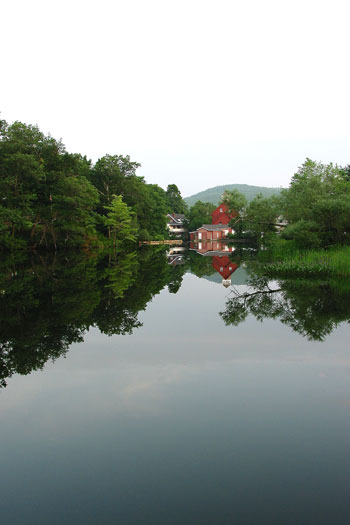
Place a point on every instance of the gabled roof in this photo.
(177, 218)
(214, 227)
(223, 206)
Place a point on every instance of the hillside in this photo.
(213, 195)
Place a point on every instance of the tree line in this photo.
(50, 198)
(314, 211)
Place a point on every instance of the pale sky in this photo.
(200, 93)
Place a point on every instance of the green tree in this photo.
(109, 175)
(120, 221)
(235, 201)
(46, 197)
(175, 200)
(317, 205)
(261, 216)
(51, 198)
(345, 172)
(151, 209)
(116, 175)
(73, 219)
(200, 213)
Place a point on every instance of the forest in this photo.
(52, 199)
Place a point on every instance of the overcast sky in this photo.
(200, 93)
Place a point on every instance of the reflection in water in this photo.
(221, 262)
(312, 308)
(187, 420)
(175, 255)
(49, 302)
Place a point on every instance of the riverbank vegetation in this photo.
(314, 211)
(52, 199)
(305, 231)
(283, 258)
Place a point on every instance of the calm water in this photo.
(142, 390)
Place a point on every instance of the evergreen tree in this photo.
(120, 221)
(175, 200)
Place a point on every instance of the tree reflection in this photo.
(49, 302)
(312, 308)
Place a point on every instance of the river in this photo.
(171, 387)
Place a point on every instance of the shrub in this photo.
(304, 233)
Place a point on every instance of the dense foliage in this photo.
(317, 205)
(200, 213)
(175, 201)
(51, 198)
(314, 211)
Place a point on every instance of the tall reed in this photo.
(283, 258)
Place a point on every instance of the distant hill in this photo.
(213, 195)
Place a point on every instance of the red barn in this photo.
(221, 215)
(210, 232)
(220, 261)
(218, 230)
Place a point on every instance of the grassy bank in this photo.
(284, 259)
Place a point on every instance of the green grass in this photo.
(285, 260)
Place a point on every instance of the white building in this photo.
(176, 224)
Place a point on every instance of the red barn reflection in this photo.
(220, 260)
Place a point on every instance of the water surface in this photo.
(171, 398)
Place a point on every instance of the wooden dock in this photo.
(161, 242)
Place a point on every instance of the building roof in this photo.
(214, 227)
(177, 218)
